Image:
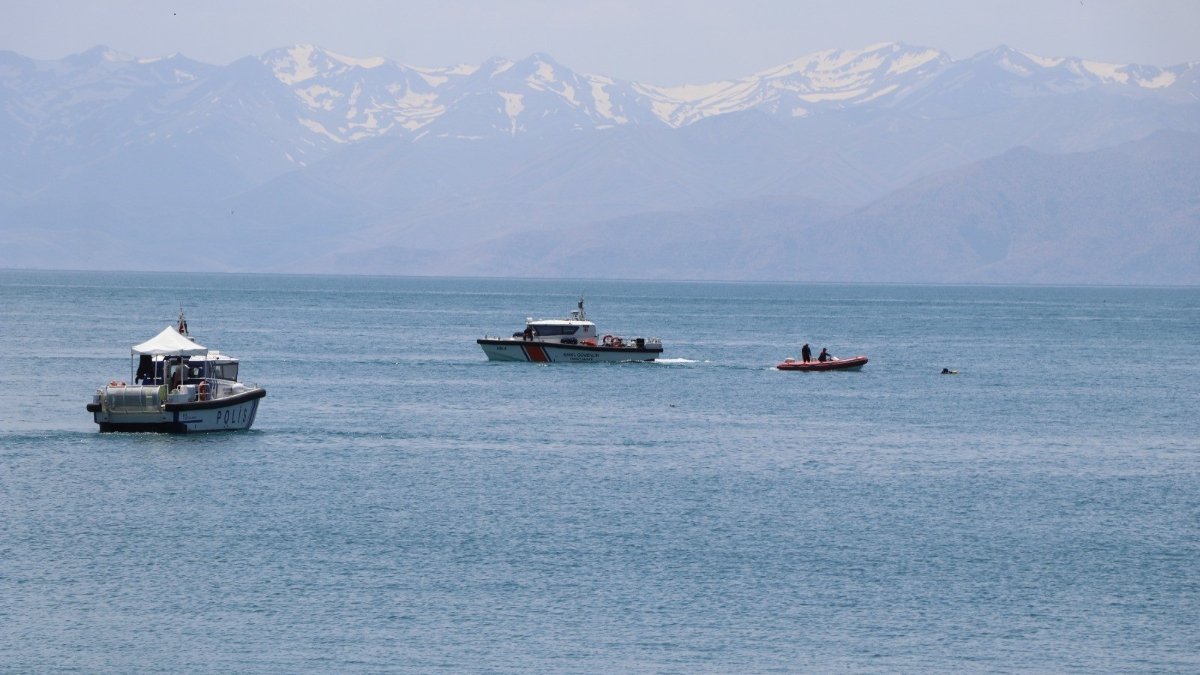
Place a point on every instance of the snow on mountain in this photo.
(344, 99)
(1019, 74)
(536, 95)
(314, 100)
(348, 99)
(830, 79)
(1089, 72)
(104, 118)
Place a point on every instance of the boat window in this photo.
(225, 371)
(555, 330)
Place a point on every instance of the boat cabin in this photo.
(562, 331)
(178, 369)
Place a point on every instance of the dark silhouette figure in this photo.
(823, 356)
(145, 371)
(805, 353)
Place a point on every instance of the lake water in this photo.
(404, 504)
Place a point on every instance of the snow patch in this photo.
(665, 110)
(368, 63)
(911, 61)
(545, 72)
(877, 47)
(318, 128)
(434, 80)
(436, 77)
(1164, 79)
(368, 130)
(412, 99)
(300, 64)
(690, 93)
(513, 105)
(867, 64)
(568, 93)
(155, 59)
(1042, 61)
(1107, 72)
(603, 103)
(319, 96)
(1011, 67)
(113, 56)
(882, 92)
(833, 59)
(832, 95)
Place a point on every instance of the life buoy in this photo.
(202, 391)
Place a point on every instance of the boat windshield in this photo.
(225, 371)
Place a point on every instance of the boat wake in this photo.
(671, 362)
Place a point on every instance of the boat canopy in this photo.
(169, 343)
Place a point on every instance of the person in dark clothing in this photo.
(824, 355)
(145, 371)
(528, 335)
(805, 353)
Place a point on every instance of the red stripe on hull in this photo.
(536, 354)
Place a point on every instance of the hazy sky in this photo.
(664, 42)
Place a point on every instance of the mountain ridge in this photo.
(302, 156)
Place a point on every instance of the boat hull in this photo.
(546, 352)
(855, 363)
(233, 413)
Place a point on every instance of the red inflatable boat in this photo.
(853, 363)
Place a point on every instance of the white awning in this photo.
(169, 343)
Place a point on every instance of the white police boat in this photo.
(570, 340)
(178, 386)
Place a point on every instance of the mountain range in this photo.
(889, 163)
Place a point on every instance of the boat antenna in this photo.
(578, 313)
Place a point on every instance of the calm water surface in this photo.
(403, 504)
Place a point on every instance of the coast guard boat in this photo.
(571, 340)
(178, 387)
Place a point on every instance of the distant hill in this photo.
(1122, 215)
(305, 160)
(1128, 214)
